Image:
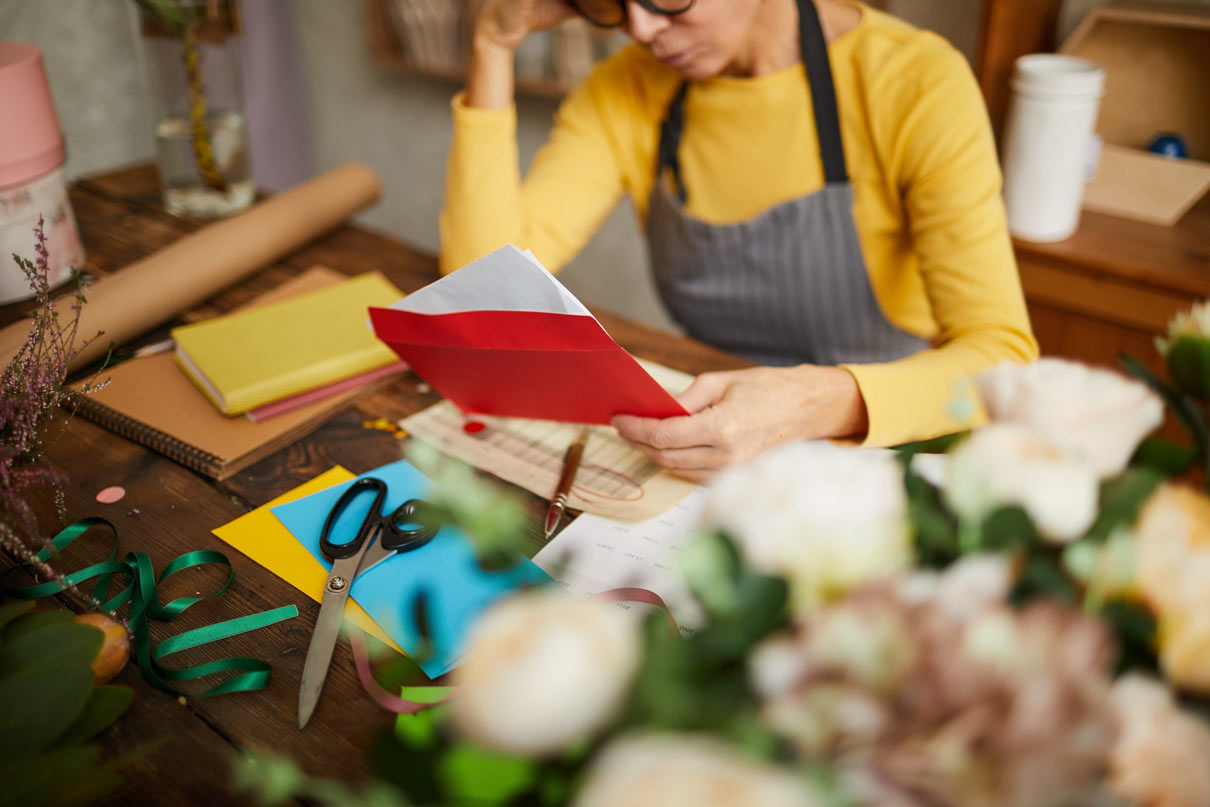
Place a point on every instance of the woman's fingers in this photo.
(706, 390)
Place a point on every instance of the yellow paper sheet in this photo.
(261, 537)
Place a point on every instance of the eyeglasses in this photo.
(612, 13)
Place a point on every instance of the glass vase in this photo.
(191, 50)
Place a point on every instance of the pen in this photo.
(571, 463)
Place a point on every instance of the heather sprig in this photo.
(32, 390)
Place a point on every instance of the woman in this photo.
(818, 185)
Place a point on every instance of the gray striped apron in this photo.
(786, 287)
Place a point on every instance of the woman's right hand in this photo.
(504, 23)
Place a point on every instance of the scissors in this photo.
(409, 527)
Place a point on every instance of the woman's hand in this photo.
(504, 23)
(736, 415)
(499, 28)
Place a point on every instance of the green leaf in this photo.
(936, 445)
(38, 704)
(1182, 405)
(1189, 365)
(470, 774)
(57, 644)
(1121, 499)
(1007, 529)
(35, 622)
(1044, 577)
(1164, 456)
(41, 779)
(1136, 631)
(712, 564)
(104, 707)
(420, 730)
(13, 610)
(934, 525)
(412, 770)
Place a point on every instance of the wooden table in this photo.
(169, 510)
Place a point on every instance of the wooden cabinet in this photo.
(1115, 284)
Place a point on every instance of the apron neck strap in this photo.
(814, 47)
(823, 92)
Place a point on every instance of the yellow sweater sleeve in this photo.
(572, 183)
(939, 143)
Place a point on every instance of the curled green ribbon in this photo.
(140, 592)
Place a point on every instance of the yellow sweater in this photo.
(920, 155)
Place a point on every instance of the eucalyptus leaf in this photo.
(38, 704)
(57, 644)
(104, 707)
(42, 779)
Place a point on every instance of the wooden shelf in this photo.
(386, 50)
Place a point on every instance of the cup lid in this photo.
(30, 140)
(1058, 75)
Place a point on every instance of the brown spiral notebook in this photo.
(152, 402)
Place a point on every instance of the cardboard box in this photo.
(1157, 79)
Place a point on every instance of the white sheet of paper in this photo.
(595, 554)
(505, 280)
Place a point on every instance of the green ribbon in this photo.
(139, 590)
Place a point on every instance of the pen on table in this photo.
(571, 464)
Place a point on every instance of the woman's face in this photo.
(701, 42)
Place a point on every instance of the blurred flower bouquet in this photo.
(1018, 622)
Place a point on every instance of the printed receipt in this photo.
(595, 554)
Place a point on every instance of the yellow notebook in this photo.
(259, 355)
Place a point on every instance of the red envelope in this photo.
(555, 364)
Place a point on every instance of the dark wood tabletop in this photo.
(169, 510)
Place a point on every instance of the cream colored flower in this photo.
(1095, 416)
(544, 671)
(825, 517)
(687, 771)
(1006, 464)
(1174, 578)
(1162, 755)
(1195, 322)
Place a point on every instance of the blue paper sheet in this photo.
(446, 570)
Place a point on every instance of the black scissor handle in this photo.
(413, 524)
(368, 524)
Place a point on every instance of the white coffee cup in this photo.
(1048, 139)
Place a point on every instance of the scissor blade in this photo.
(319, 654)
(374, 555)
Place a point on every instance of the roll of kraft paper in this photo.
(135, 299)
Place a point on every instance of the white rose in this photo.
(687, 771)
(825, 517)
(1005, 464)
(1092, 415)
(544, 671)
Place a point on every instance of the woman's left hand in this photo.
(737, 414)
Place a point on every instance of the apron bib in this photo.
(786, 287)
